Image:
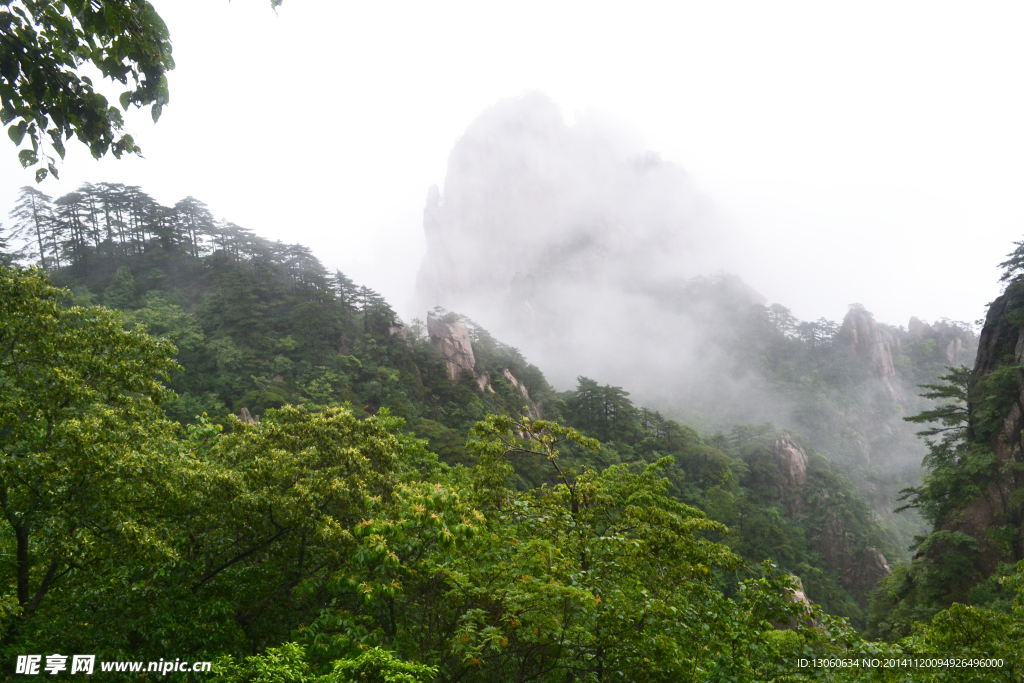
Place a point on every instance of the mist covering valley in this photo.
(600, 261)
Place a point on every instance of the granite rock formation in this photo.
(955, 338)
(861, 333)
(1000, 349)
(453, 343)
(543, 229)
(796, 596)
(792, 462)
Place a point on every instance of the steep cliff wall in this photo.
(841, 531)
(861, 333)
(994, 518)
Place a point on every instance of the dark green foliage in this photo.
(817, 379)
(959, 466)
(326, 543)
(42, 92)
(818, 531)
(949, 418)
(605, 412)
(316, 546)
(260, 325)
(1013, 266)
(120, 293)
(994, 395)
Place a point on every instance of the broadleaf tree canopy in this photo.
(46, 99)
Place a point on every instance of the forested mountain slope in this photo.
(259, 325)
(300, 530)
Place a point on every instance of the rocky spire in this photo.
(861, 333)
(792, 462)
(453, 343)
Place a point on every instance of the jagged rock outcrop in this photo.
(515, 383)
(453, 343)
(861, 333)
(532, 409)
(954, 338)
(545, 229)
(876, 564)
(955, 351)
(524, 185)
(246, 418)
(859, 568)
(796, 596)
(792, 462)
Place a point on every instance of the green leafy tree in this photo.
(80, 434)
(599, 577)
(43, 95)
(161, 318)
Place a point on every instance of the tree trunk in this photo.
(21, 561)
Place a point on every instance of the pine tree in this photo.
(376, 311)
(196, 222)
(346, 290)
(121, 292)
(32, 217)
(8, 254)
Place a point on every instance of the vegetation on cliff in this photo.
(973, 493)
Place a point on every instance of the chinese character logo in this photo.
(28, 664)
(55, 663)
(82, 664)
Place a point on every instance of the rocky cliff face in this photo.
(956, 342)
(999, 506)
(524, 192)
(792, 462)
(865, 571)
(843, 552)
(453, 343)
(861, 333)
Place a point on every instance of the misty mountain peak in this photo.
(528, 198)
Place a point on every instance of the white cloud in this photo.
(871, 150)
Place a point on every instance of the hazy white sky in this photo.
(867, 152)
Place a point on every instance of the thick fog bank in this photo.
(583, 252)
(601, 260)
